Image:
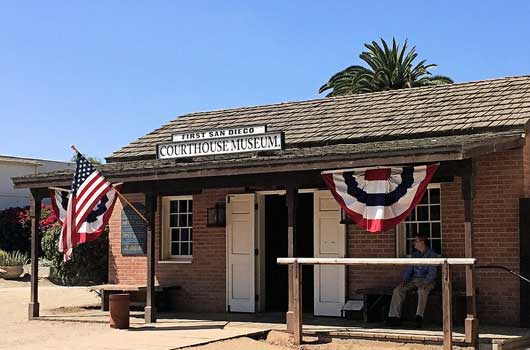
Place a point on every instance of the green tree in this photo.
(93, 160)
(389, 68)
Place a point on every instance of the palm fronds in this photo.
(389, 67)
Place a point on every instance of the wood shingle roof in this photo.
(466, 108)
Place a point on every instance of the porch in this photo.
(203, 328)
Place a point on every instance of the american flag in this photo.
(88, 188)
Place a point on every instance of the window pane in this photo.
(191, 234)
(425, 228)
(182, 220)
(412, 230)
(412, 216)
(409, 246)
(173, 208)
(425, 198)
(185, 234)
(173, 222)
(436, 245)
(184, 248)
(175, 234)
(175, 249)
(183, 206)
(436, 230)
(190, 206)
(423, 213)
(434, 194)
(191, 250)
(435, 212)
(190, 220)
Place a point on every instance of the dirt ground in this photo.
(20, 334)
(282, 341)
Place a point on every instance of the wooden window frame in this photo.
(401, 233)
(165, 246)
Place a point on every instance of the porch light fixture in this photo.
(345, 219)
(216, 216)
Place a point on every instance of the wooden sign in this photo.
(221, 141)
(133, 231)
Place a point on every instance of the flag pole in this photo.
(122, 197)
(58, 189)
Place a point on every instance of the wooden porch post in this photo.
(447, 307)
(150, 209)
(291, 199)
(468, 193)
(35, 208)
(297, 303)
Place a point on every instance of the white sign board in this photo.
(220, 133)
(208, 146)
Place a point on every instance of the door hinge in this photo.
(256, 252)
(255, 206)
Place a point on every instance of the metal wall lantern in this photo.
(345, 219)
(216, 217)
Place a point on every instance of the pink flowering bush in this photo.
(15, 227)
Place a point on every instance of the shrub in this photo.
(15, 230)
(13, 259)
(88, 263)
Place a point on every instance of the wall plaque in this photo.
(133, 231)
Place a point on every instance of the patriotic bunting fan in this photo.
(378, 199)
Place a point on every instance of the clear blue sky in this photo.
(102, 73)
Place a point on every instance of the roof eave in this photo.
(258, 166)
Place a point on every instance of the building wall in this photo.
(502, 178)
(14, 166)
(203, 280)
(9, 196)
(499, 185)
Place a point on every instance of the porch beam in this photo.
(468, 194)
(291, 201)
(260, 167)
(35, 210)
(150, 306)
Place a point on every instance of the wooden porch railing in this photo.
(446, 263)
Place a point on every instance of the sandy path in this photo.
(19, 333)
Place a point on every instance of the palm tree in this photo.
(389, 69)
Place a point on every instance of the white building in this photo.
(17, 166)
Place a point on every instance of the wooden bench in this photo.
(377, 300)
(104, 290)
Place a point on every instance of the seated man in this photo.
(415, 277)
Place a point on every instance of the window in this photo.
(178, 227)
(424, 219)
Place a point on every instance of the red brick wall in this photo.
(203, 280)
(499, 185)
(502, 178)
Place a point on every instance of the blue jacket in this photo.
(426, 273)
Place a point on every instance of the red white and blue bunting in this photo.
(378, 199)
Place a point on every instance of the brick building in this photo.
(276, 203)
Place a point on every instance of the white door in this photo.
(240, 230)
(330, 242)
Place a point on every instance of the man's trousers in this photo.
(400, 293)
